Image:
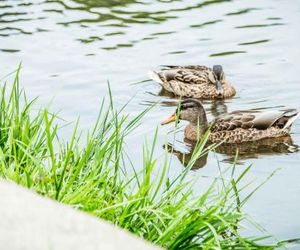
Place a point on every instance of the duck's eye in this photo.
(184, 106)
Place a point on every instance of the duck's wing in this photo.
(282, 119)
(231, 121)
(188, 76)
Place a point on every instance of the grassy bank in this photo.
(92, 176)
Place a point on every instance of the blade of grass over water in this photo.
(94, 178)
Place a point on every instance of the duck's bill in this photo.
(219, 88)
(172, 118)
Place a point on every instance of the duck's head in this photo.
(219, 78)
(190, 110)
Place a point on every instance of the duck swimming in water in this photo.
(235, 127)
(197, 81)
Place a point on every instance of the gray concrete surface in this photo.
(32, 222)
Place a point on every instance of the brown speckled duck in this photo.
(195, 81)
(235, 127)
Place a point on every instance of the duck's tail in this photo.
(155, 76)
(292, 115)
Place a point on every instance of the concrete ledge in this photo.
(30, 221)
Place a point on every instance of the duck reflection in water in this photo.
(248, 150)
(217, 108)
(185, 157)
(258, 149)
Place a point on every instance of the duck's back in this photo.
(243, 126)
(188, 81)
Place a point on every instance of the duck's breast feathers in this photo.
(246, 119)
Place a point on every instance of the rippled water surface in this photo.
(70, 49)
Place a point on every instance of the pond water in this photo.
(70, 49)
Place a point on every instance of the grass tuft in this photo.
(93, 178)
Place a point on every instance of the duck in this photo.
(185, 157)
(234, 127)
(194, 81)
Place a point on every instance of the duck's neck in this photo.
(200, 121)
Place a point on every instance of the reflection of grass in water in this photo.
(95, 178)
(255, 42)
(121, 45)
(227, 53)
(162, 33)
(176, 52)
(258, 25)
(104, 3)
(274, 18)
(17, 31)
(109, 48)
(242, 11)
(10, 50)
(115, 33)
(124, 16)
(124, 45)
(90, 39)
(205, 24)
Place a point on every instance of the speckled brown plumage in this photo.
(243, 126)
(240, 135)
(192, 81)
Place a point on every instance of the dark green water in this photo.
(70, 49)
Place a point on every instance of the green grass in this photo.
(90, 173)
